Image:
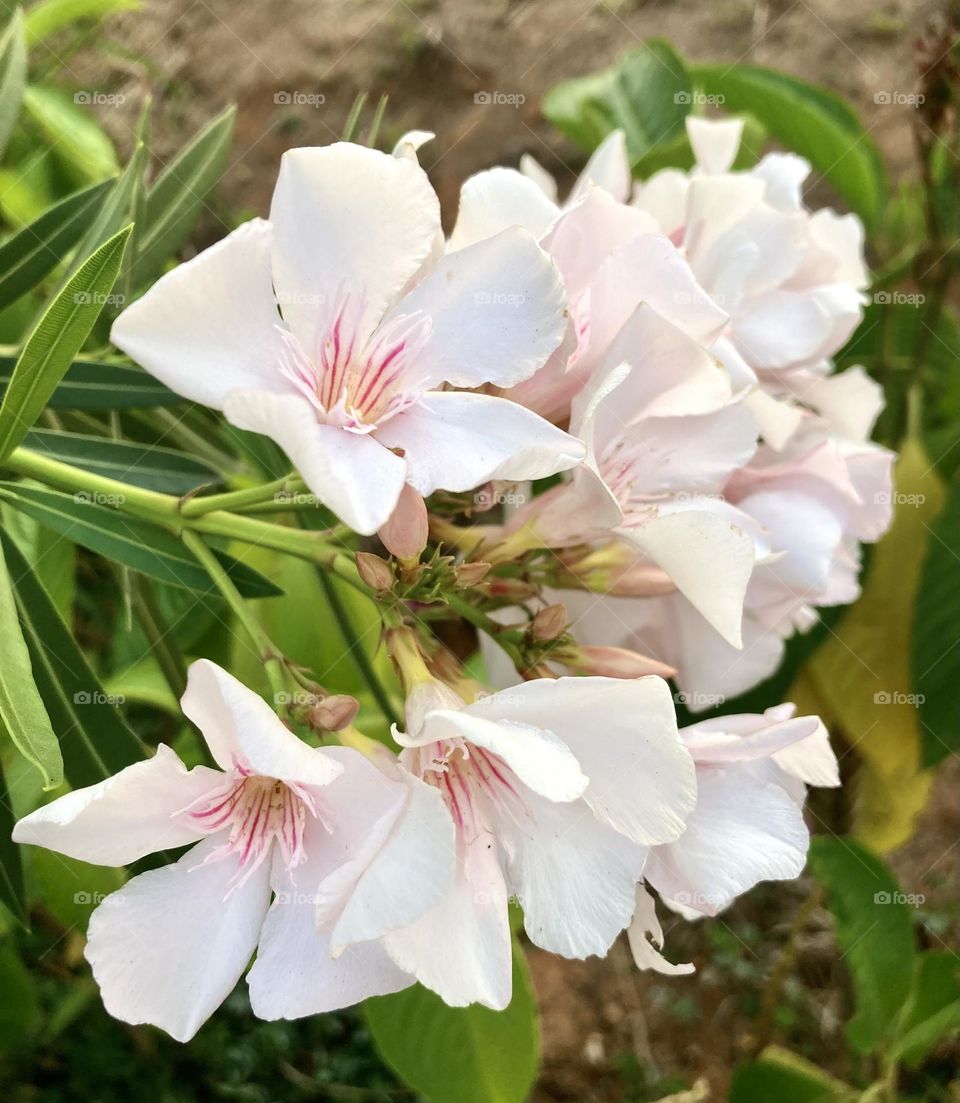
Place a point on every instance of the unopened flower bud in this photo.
(616, 662)
(375, 572)
(514, 588)
(334, 713)
(549, 623)
(405, 533)
(469, 574)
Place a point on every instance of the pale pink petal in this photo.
(453, 441)
(494, 200)
(347, 219)
(607, 169)
(645, 936)
(533, 170)
(169, 946)
(350, 472)
(715, 142)
(211, 324)
(241, 729)
(121, 819)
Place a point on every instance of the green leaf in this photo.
(150, 466)
(49, 16)
(56, 340)
(101, 385)
(810, 121)
(77, 140)
(460, 1054)
(647, 94)
(13, 75)
(936, 651)
(178, 195)
(28, 256)
(786, 1077)
(21, 708)
(875, 930)
(95, 740)
(11, 861)
(138, 544)
(933, 1010)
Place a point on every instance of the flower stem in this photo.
(290, 484)
(268, 654)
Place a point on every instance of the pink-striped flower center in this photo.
(255, 812)
(478, 787)
(356, 380)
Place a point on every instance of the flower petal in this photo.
(239, 726)
(496, 313)
(121, 819)
(210, 325)
(493, 200)
(352, 219)
(743, 830)
(169, 946)
(607, 169)
(623, 732)
(349, 472)
(646, 939)
(715, 142)
(461, 949)
(456, 442)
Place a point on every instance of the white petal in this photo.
(461, 949)
(664, 196)
(623, 732)
(297, 971)
(812, 760)
(539, 758)
(781, 328)
(720, 743)
(607, 169)
(715, 142)
(347, 218)
(121, 819)
(784, 174)
(573, 876)
(239, 725)
(169, 946)
(492, 201)
(349, 472)
(533, 170)
(408, 144)
(646, 939)
(743, 830)
(454, 441)
(210, 325)
(709, 560)
(496, 313)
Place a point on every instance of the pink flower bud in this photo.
(469, 574)
(617, 662)
(549, 622)
(375, 572)
(334, 713)
(405, 533)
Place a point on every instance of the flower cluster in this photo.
(662, 356)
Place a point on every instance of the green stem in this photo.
(480, 620)
(238, 499)
(268, 654)
(156, 631)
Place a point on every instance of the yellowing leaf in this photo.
(860, 679)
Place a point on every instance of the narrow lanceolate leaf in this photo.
(50, 16)
(810, 121)
(101, 385)
(875, 932)
(149, 466)
(13, 75)
(177, 197)
(460, 1054)
(936, 650)
(95, 740)
(21, 708)
(37, 249)
(78, 142)
(138, 544)
(56, 340)
(11, 864)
